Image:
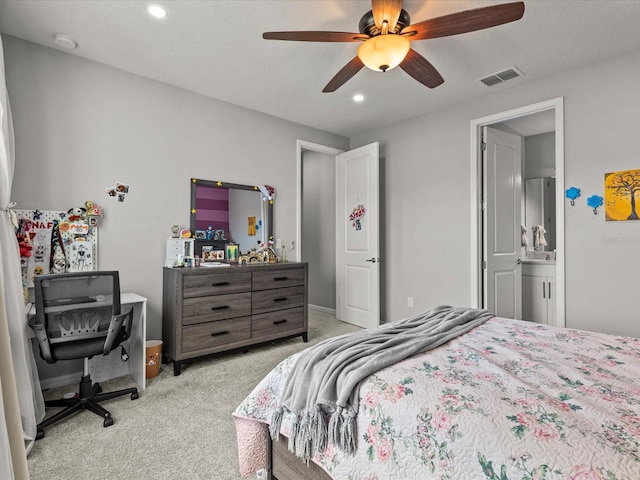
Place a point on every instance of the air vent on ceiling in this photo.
(503, 76)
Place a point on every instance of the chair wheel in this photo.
(39, 434)
(135, 396)
(108, 422)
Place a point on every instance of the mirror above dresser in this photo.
(223, 213)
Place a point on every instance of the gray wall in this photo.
(81, 126)
(81, 123)
(319, 226)
(428, 201)
(540, 154)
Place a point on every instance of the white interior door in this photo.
(502, 187)
(357, 230)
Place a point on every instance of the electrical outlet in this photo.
(292, 245)
(410, 302)
(279, 243)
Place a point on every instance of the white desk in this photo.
(103, 367)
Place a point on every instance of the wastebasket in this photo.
(153, 353)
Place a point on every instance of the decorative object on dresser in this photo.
(206, 311)
(178, 249)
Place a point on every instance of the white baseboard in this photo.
(318, 308)
(71, 379)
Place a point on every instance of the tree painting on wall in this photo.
(622, 194)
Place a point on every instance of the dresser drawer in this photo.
(277, 299)
(277, 323)
(216, 307)
(277, 278)
(216, 284)
(214, 334)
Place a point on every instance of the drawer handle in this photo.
(280, 299)
(219, 284)
(278, 322)
(280, 279)
(218, 334)
(221, 307)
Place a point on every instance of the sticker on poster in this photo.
(356, 217)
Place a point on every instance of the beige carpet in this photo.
(180, 427)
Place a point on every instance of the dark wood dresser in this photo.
(208, 310)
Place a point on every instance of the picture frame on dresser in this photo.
(207, 253)
(231, 252)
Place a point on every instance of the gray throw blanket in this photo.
(323, 385)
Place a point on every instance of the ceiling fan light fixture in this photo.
(384, 52)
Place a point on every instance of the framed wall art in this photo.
(621, 194)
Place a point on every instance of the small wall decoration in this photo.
(119, 191)
(620, 191)
(594, 201)
(356, 217)
(572, 193)
(251, 223)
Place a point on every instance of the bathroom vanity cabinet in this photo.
(539, 292)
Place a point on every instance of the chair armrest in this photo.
(114, 334)
(40, 331)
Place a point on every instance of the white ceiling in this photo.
(215, 48)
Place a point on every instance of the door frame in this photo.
(302, 145)
(556, 104)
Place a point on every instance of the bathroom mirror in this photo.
(540, 209)
(224, 213)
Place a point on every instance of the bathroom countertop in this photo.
(538, 261)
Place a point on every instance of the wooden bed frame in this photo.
(284, 465)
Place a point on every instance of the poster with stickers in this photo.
(57, 242)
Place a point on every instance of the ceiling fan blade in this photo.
(467, 21)
(344, 75)
(388, 10)
(420, 69)
(315, 36)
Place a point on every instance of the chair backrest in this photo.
(74, 307)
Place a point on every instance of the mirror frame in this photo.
(238, 186)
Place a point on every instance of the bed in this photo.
(507, 400)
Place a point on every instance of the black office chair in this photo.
(78, 315)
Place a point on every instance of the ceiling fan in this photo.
(386, 35)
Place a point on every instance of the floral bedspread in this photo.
(508, 400)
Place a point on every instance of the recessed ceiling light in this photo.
(157, 11)
(358, 97)
(64, 42)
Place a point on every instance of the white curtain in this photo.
(25, 381)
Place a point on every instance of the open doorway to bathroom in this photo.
(533, 277)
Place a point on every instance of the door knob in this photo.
(372, 260)
(519, 261)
